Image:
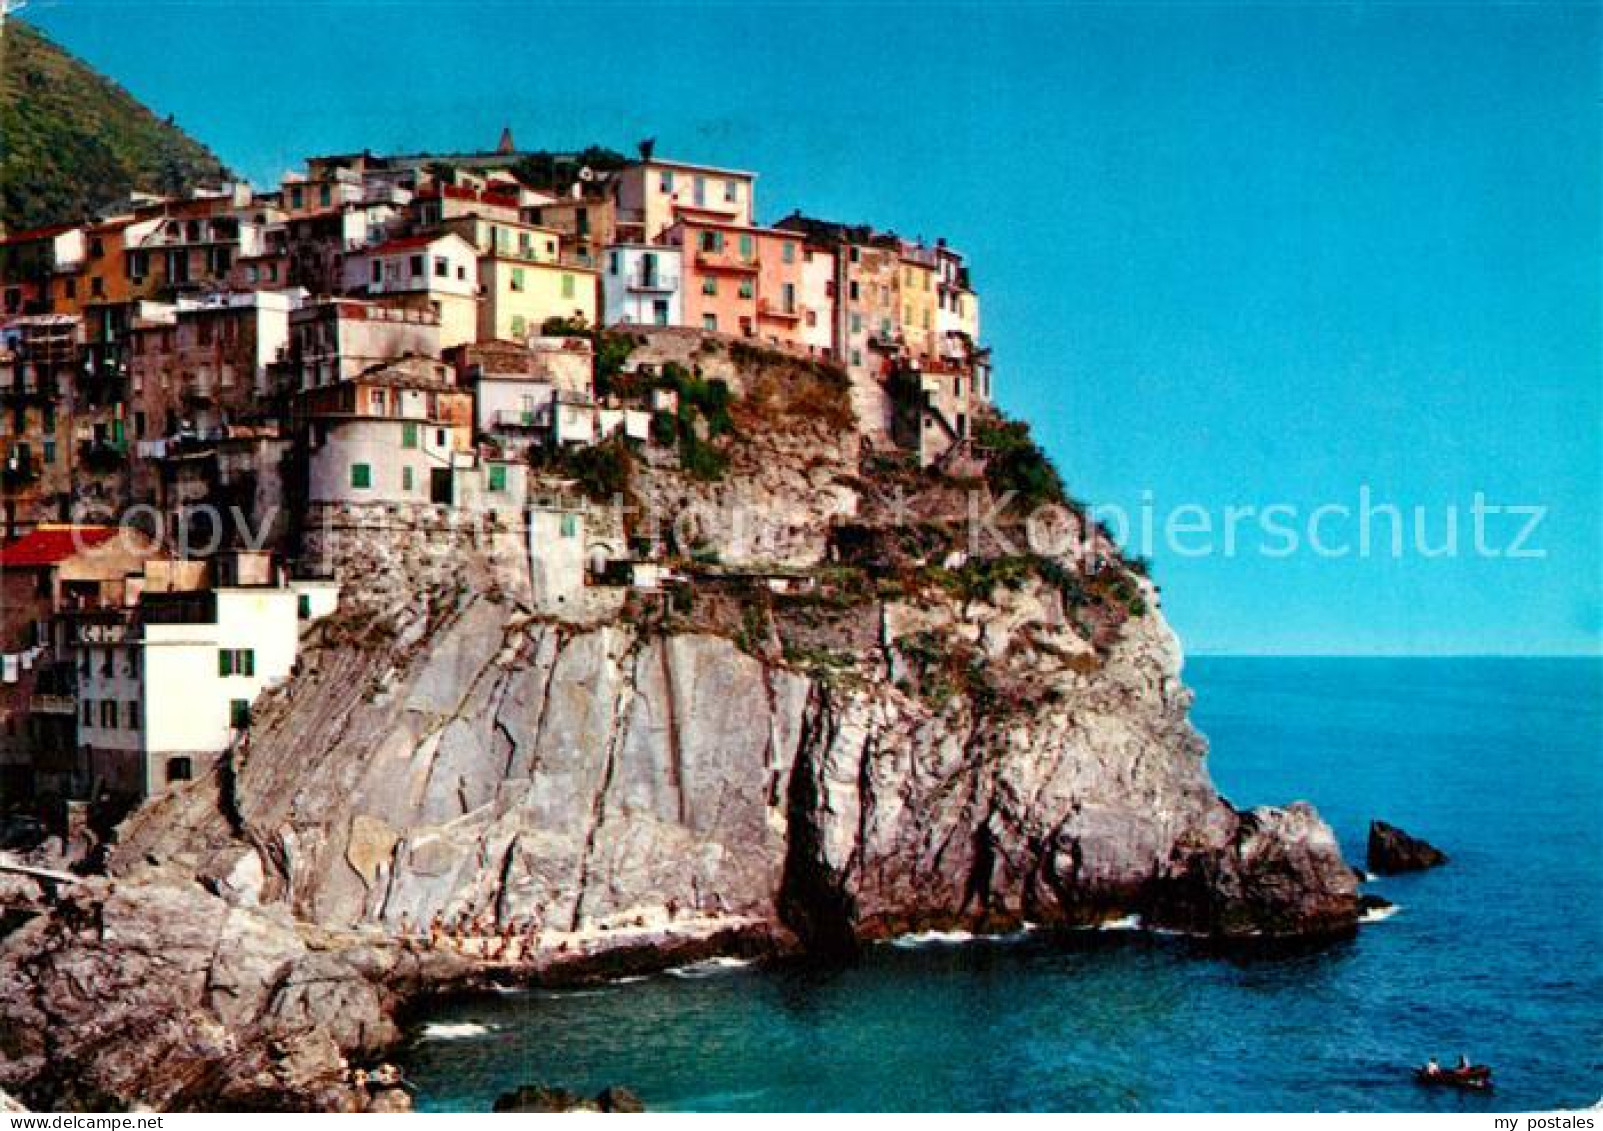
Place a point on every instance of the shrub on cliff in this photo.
(1015, 462)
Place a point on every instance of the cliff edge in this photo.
(857, 722)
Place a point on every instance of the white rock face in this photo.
(592, 778)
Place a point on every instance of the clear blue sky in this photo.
(1234, 255)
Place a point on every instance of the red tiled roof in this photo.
(52, 545)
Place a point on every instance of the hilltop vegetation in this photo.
(73, 141)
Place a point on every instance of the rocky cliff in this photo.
(910, 735)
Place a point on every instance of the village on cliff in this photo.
(191, 388)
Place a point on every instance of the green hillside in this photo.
(73, 141)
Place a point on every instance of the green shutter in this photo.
(249, 657)
(406, 478)
(361, 475)
(409, 435)
(498, 477)
(567, 286)
(225, 663)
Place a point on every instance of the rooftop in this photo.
(50, 545)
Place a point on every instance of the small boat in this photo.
(1475, 1078)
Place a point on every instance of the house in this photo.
(817, 331)
(209, 365)
(653, 194)
(54, 569)
(39, 372)
(392, 434)
(557, 554)
(166, 684)
(332, 340)
(39, 267)
(521, 296)
(514, 386)
(438, 273)
(917, 294)
(957, 307)
(640, 285)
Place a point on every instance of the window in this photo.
(857, 323)
(361, 476)
(667, 180)
(418, 269)
(236, 661)
(567, 286)
(325, 195)
(239, 714)
(378, 271)
(570, 526)
(712, 241)
(375, 400)
(297, 198)
(439, 437)
(498, 477)
(787, 252)
(406, 479)
(612, 263)
(517, 280)
(50, 449)
(108, 714)
(731, 191)
(88, 712)
(748, 289)
(303, 602)
(442, 267)
(409, 435)
(709, 322)
(130, 711)
(747, 248)
(701, 191)
(520, 326)
(709, 286)
(853, 290)
(180, 769)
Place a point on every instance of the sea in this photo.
(1498, 955)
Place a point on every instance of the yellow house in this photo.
(521, 294)
(916, 301)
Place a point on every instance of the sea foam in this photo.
(454, 1030)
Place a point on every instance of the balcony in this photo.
(725, 261)
(654, 283)
(773, 308)
(517, 418)
(39, 704)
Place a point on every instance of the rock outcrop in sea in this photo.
(1391, 850)
(913, 732)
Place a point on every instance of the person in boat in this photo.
(1463, 1063)
(1432, 1068)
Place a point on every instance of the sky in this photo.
(1249, 256)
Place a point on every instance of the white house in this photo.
(438, 272)
(394, 434)
(167, 686)
(641, 285)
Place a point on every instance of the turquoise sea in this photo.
(1500, 954)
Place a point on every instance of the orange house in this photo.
(740, 279)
